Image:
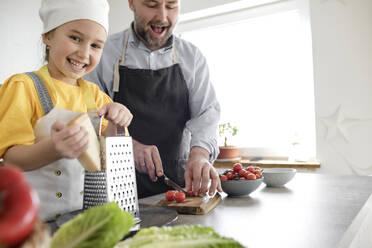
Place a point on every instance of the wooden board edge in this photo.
(205, 209)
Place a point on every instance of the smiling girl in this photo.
(36, 107)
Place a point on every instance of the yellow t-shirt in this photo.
(20, 107)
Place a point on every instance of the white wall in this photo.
(342, 52)
(193, 5)
(20, 27)
(121, 15)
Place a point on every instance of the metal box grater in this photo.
(117, 181)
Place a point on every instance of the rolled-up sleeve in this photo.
(204, 108)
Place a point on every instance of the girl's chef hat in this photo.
(54, 13)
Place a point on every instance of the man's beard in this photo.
(151, 41)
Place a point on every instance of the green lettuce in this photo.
(101, 226)
(178, 236)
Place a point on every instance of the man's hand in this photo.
(199, 171)
(147, 160)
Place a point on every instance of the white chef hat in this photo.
(54, 13)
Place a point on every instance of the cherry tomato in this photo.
(230, 175)
(247, 173)
(237, 167)
(180, 196)
(191, 193)
(170, 195)
(251, 176)
(223, 178)
(250, 168)
(257, 172)
(242, 173)
(19, 207)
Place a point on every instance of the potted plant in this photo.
(226, 130)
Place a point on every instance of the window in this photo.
(261, 67)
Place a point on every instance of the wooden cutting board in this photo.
(193, 205)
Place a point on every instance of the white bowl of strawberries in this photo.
(240, 181)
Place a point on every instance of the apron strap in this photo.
(116, 77)
(45, 100)
(121, 62)
(175, 57)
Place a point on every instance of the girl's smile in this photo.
(77, 66)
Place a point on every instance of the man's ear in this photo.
(130, 2)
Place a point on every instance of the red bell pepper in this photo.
(19, 207)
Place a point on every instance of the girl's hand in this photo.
(116, 113)
(69, 141)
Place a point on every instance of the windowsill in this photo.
(309, 165)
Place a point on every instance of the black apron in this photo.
(158, 100)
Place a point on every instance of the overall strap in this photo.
(45, 100)
(120, 61)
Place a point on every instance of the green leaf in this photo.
(226, 130)
(101, 226)
(178, 236)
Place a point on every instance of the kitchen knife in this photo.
(170, 183)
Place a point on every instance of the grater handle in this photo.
(121, 131)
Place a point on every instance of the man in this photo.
(164, 81)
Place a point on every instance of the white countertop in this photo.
(313, 210)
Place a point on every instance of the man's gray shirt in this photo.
(201, 129)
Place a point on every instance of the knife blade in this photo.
(171, 183)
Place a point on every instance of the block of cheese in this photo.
(90, 159)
